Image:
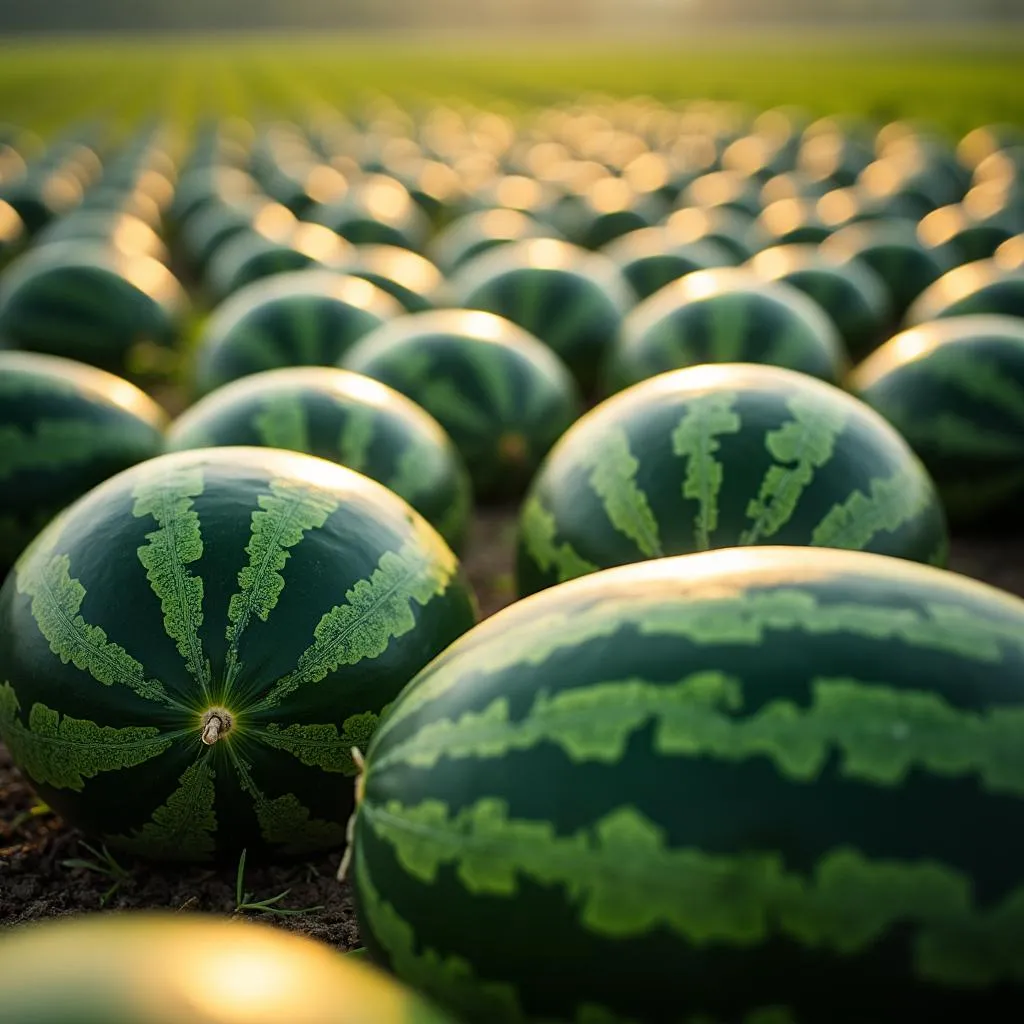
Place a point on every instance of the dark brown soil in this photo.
(35, 883)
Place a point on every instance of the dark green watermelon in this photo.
(502, 396)
(124, 231)
(793, 221)
(850, 292)
(964, 237)
(64, 428)
(41, 196)
(980, 287)
(572, 299)
(346, 418)
(301, 318)
(728, 189)
(724, 456)
(166, 968)
(893, 250)
(955, 390)
(726, 315)
(476, 232)
(771, 785)
(650, 258)
(402, 273)
(90, 302)
(189, 652)
(376, 210)
(729, 228)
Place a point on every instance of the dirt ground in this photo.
(35, 882)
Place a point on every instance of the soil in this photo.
(35, 881)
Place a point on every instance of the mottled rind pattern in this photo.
(103, 703)
(805, 773)
(724, 456)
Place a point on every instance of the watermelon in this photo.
(739, 786)
(376, 210)
(41, 196)
(12, 231)
(608, 209)
(730, 229)
(124, 231)
(202, 186)
(402, 273)
(188, 653)
(724, 456)
(850, 292)
(893, 250)
(302, 318)
(650, 258)
(729, 189)
(793, 221)
(502, 396)
(214, 224)
(474, 233)
(980, 287)
(726, 315)
(963, 236)
(833, 155)
(1010, 255)
(346, 418)
(91, 302)
(572, 299)
(64, 427)
(164, 968)
(955, 390)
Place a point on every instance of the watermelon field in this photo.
(534, 525)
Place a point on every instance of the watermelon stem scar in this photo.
(350, 828)
(217, 722)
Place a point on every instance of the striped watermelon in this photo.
(346, 418)
(793, 221)
(893, 250)
(502, 396)
(402, 273)
(721, 456)
(732, 230)
(850, 292)
(773, 785)
(89, 301)
(163, 968)
(303, 318)
(650, 258)
(474, 233)
(376, 210)
(64, 427)
(124, 231)
(189, 652)
(963, 236)
(955, 390)
(726, 315)
(979, 287)
(572, 299)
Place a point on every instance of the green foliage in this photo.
(103, 863)
(246, 903)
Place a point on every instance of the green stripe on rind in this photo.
(613, 479)
(626, 882)
(281, 423)
(182, 828)
(57, 444)
(355, 437)
(282, 520)
(63, 752)
(171, 549)
(744, 620)
(979, 379)
(322, 746)
(376, 611)
(284, 822)
(893, 503)
(56, 599)
(799, 447)
(729, 317)
(537, 529)
(881, 733)
(695, 439)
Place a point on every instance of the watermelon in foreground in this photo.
(771, 784)
(189, 652)
(724, 456)
(163, 968)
